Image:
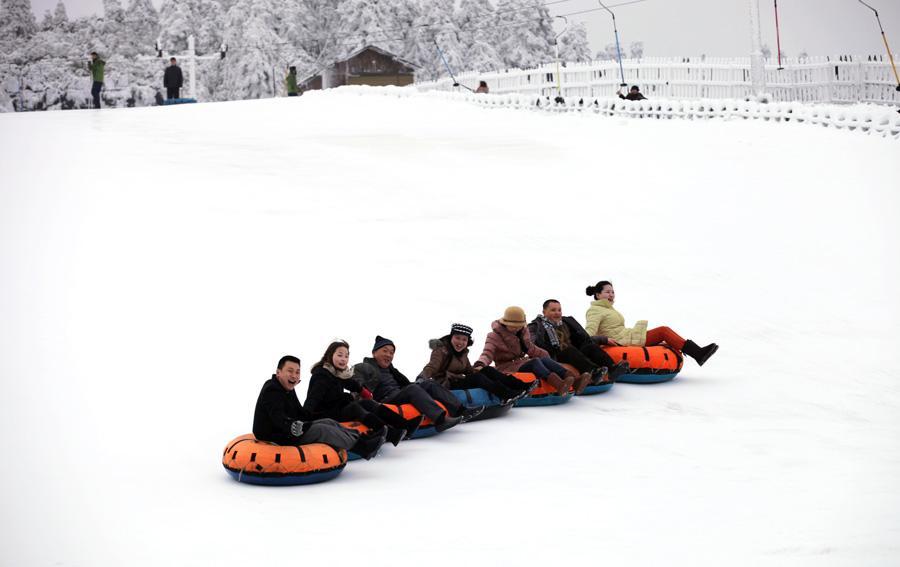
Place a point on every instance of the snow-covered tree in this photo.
(476, 20)
(573, 45)
(203, 19)
(17, 21)
(255, 65)
(636, 49)
(60, 16)
(372, 22)
(142, 28)
(525, 33)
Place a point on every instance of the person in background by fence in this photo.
(482, 87)
(633, 94)
(96, 66)
(173, 80)
(290, 82)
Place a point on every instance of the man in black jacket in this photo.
(173, 80)
(280, 417)
(388, 385)
(567, 341)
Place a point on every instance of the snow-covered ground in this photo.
(156, 262)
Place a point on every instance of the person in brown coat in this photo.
(510, 348)
(450, 367)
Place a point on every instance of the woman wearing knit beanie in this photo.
(510, 348)
(450, 367)
(603, 319)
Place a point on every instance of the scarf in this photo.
(344, 374)
(551, 330)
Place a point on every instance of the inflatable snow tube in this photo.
(543, 395)
(592, 388)
(474, 397)
(409, 411)
(362, 429)
(258, 462)
(649, 365)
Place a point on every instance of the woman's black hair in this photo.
(329, 353)
(595, 289)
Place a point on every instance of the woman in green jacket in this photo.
(603, 319)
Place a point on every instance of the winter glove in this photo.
(297, 428)
(366, 394)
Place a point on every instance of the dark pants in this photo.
(95, 93)
(543, 367)
(587, 359)
(329, 432)
(489, 378)
(416, 395)
(441, 394)
(372, 414)
(292, 94)
(172, 92)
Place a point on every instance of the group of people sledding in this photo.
(339, 392)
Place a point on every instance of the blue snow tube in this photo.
(171, 101)
(474, 397)
(597, 388)
(647, 378)
(285, 480)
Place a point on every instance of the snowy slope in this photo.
(156, 262)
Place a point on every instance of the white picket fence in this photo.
(842, 79)
(870, 119)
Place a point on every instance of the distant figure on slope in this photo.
(326, 397)
(450, 367)
(482, 87)
(567, 341)
(633, 94)
(280, 418)
(603, 319)
(390, 386)
(173, 80)
(97, 67)
(510, 348)
(290, 82)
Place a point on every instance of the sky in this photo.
(698, 27)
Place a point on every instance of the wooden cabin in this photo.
(367, 66)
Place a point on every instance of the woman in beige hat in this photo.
(510, 348)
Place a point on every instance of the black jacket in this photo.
(173, 79)
(633, 96)
(381, 386)
(326, 397)
(276, 409)
(577, 335)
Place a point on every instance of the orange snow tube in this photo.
(649, 364)
(543, 395)
(409, 411)
(258, 462)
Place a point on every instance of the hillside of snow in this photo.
(157, 262)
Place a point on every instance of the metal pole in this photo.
(778, 36)
(757, 64)
(886, 46)
(618, 49)
(556, 45)
(192, 67)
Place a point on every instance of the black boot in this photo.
(600, 376)
(700, 354)
(369, 444)
(618, 370)
(445, 422)
(394, 435)
(412, 425)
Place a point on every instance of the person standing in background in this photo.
(96, 66)
(173, 80)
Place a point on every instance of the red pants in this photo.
(666, 335)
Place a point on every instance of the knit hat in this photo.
(382, 342)
(460, 329)
(514, 317)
